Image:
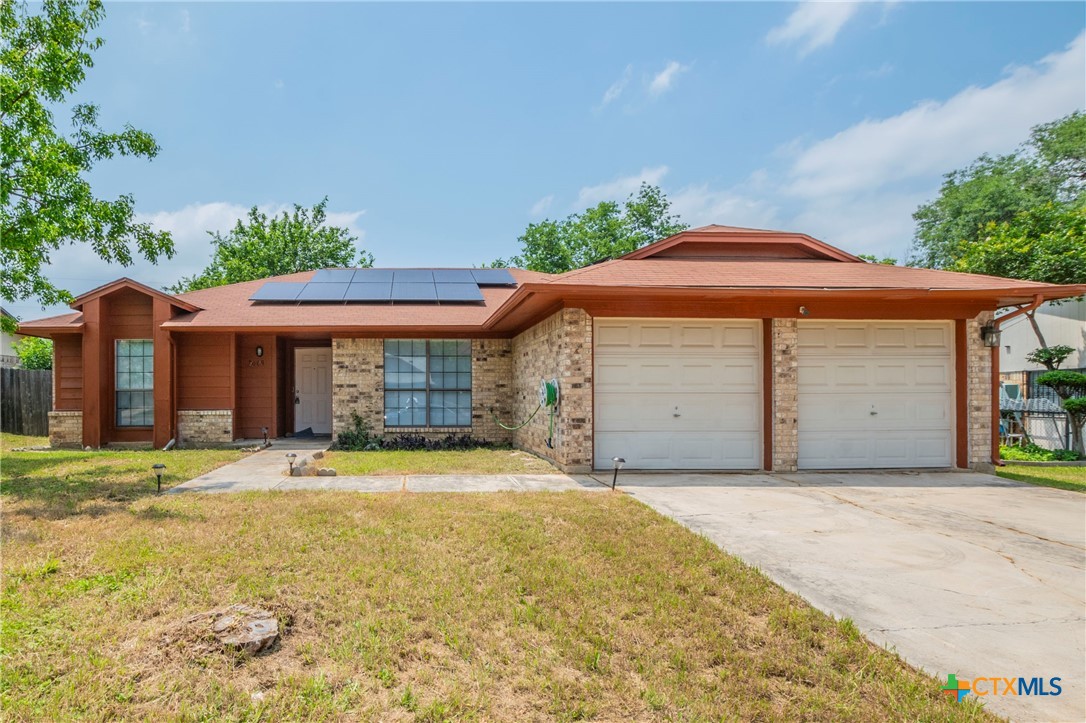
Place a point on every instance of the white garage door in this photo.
(875, 394)
(678, 394)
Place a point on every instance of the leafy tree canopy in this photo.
(263, 246)
(873, 259)
(34, 353)
(46, 201)
(605, 231)
(1012, 194)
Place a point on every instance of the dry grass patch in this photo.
(501, 606)
(61, 483)
(472, 461)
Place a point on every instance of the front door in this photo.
(313, 390)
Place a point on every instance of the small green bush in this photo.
(359, 437)
(34, 353)
(1066, 384)
(1035, 453)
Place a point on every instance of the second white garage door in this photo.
(875, 394)
(678, 394)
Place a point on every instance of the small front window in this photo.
(427, 383)
(135, 383)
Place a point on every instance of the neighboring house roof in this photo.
(711, 263)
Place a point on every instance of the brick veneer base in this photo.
(204, 427)
(66, 429)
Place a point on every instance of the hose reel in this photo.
(548, 397)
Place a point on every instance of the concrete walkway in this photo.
(264, 471)
(960, 573)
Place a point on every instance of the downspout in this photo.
(996, 322)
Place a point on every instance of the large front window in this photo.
(135, 383)
(427, 383)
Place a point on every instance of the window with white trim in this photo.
(427, 383)
(135, 402)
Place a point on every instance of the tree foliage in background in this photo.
(1048, 171)
(34, 353)
(1020, 216)
(46, 201)
(263, 246)
(605, 231)
(873, 259)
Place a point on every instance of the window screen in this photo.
(427, 383)
(135, 383)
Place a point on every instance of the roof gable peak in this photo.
(733, 243)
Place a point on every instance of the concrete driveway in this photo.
(960, 573)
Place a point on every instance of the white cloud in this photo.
(186, 21)
(934, 137)
(540, 207)
(859, 188)
(661, 82)
(699, 205)
(812, 25)
(619, 188)
(615, 90)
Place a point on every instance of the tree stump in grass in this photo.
(241, 627)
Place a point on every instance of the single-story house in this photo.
(719, 348)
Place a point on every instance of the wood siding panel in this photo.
(256, 378)
(68, 373)
(203, 371)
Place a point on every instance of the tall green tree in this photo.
(602, 232)
(1048, 169)
(46, 201)
(262, 246)
(1020, 216)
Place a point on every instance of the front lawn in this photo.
(403, 606)
(1064, 478)
(58, 483)
(472, 461)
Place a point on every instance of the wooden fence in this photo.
(26, 396)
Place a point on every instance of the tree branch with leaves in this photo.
(46, 201)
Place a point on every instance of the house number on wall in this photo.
(256, 362)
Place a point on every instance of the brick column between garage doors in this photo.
(784, 339)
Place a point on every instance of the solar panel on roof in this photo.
(332, 276)
(369, 292)
(458, 292)
(413, 276)
(493, 277)
(413, 292)
(278, 291)
(372, 276)
(323, 292)
(453, 276)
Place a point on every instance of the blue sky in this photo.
(439, 131)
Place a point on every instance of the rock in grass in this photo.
(241, 627)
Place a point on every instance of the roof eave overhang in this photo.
(547, 294)
(47, 332)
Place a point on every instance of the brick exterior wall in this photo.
(204, 427)
(66, 429)
(785, 337)
(358, 371)
(979, 394)
(558, 347)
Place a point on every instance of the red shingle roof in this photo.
(229, 306)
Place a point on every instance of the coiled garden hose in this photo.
(548, 397)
